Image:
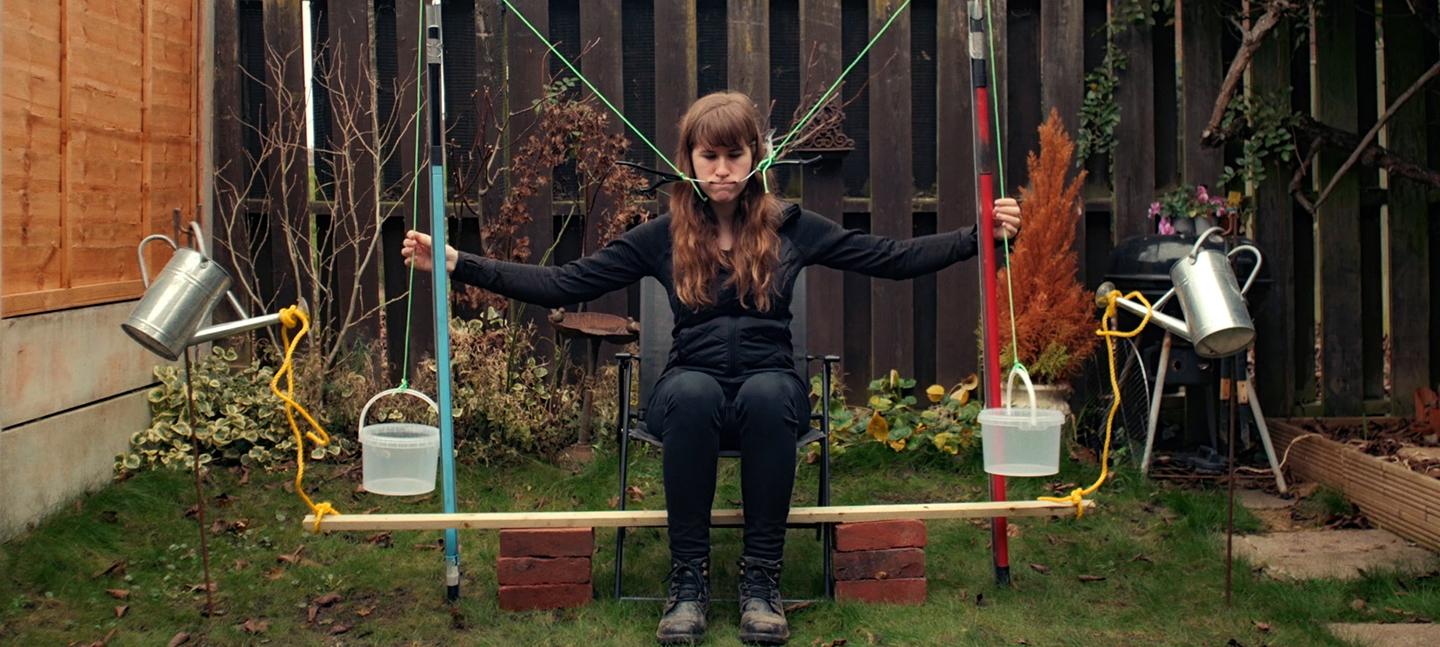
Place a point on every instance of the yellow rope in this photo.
(1077, 496)
(290, 317)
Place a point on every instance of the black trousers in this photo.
(696, 414)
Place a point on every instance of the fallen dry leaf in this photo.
(118, 594)
(1092, 578)
(1262, 627)
(120, 610)
(614, 502)
(244, 476)
(1140, 557)
(274, 573)
(117, 568)
(255, 626)
(240, 565)
(200, 588)
(635, 494)
(178, 639)
(1357, 604)
(311, 613)
(339, 629)
(364, 611)
(1012, 530)
(291, 558)
(1040, 568)
(327, 599)
(383, 539)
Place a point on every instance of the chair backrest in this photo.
(657, 322)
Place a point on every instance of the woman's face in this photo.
(721, 170)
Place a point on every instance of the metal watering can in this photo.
(168, 317)
(1216, 320)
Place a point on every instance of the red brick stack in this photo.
(545, 568)
(880, 561)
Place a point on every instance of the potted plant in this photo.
(1190, 210)
(1054, 316)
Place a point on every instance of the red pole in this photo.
(985, 183)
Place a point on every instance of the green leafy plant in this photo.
(894, 417)
(1099, 111)
(1271, 126)
(239, 421)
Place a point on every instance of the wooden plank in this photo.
(1134, 151)
(957, 351)
(63, 298)
(656, 518)
(823, 187)
(891, 190)
(748, 42)
(356, 278)
(1409, 241)
(600, 32)
(31, 94)
(1275, 315)
(288, 185)
(1199, 27)
(1338, 222)
(1062, 78)
(529, 65)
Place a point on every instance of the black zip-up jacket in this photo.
(726, 339)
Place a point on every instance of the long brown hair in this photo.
(727, 119)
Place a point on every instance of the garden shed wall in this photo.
(101, 138)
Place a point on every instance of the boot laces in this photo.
(687, 580)
(760, 579)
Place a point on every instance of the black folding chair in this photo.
(656, 322)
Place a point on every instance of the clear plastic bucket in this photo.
(1021, 441)
(399, 458)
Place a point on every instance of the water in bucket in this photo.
(399, 458)
(1021, 441)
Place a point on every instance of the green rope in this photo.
(598, 93)
(1000, 161)
(777, 151)
(415, 199)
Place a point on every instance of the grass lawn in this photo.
(1159, 548)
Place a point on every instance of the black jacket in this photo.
(726, 339)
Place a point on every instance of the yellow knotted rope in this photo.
(290, 317)
(1077, 496)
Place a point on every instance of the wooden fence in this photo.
(1363, 265)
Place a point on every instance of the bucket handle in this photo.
(140, 254)
(397, 390)
(1010, 388)
(1254, 272)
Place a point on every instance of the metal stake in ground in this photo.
(199, 490)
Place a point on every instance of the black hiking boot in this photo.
(684, 620)
(762, 615)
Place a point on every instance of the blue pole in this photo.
(435, 92)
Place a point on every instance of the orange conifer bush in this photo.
(1054, 316)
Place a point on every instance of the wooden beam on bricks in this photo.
(1338, 220)
(656, 518)
(892, 311)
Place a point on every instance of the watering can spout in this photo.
(1169, 323)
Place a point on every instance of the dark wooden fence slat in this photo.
(892, 305)
(957, 286)
(1275, 346)
(600, 32)
(1062, 79)
(749, 47)
(1410, 251)
(675, 77)
(1134, 151)
(1200, 57)
(823, 188)
(1023, 98)
(529, 72)
(288, 186)
(1338, 219)
(350, 43)
(227, 224)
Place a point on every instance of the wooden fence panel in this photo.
(600, 31)
(1200, 28)
(958, 311)
(1275, 316)
(748, 40)
(1338, 225)
(1134, 151)
(357, 267)
(1405, 58)
(287, 191)
(823, 189)
(529, 72)
(1062, 78)
(892, 306)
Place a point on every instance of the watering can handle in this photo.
(140, 254)
(198, 238)
(1254, 272)
(1010, 388)
(399, 389)
(1200, 241)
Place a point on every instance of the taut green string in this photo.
(606, 101)
(1000, 163)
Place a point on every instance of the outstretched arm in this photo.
(620, 263)
(830, 245)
